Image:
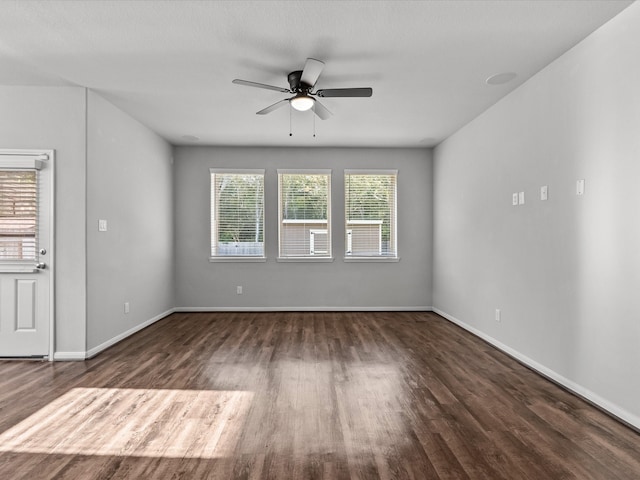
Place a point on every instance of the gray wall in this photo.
(129, 180)
(565, 272)
(107, 166)
(54, 118)
(273, 285)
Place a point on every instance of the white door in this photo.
(26, 276)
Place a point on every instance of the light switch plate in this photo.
(521, 198)
(580, 187)
(514, 199)
(544, 192)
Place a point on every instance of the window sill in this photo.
(305, 259)
(371, 259)
(231, 259)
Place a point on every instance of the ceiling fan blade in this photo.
(273, 107)
(321, 111)
(247, 83)
(345, 92)
(311, 72)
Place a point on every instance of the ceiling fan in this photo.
(301, 83)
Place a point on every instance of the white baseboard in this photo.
(613, 409)
(103, 346)
(418, 308)
(69, 356)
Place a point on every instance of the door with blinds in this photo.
(26, 276)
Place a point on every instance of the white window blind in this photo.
(304, 205)
(237, 213)
(18, 215)
(370, 213)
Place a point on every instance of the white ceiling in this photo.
(170, 63)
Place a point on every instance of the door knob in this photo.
(43, 251)
(41, 266)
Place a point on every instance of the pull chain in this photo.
(313, 109)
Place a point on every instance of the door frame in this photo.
(50, 159)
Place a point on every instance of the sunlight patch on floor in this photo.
(134, 422)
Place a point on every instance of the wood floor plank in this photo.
(302, 395)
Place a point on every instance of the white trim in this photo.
(608, 406)
(418, 308)
(214, 241)
(310, 258)
(17, 162)
(69, 356)
(35, 159)
(241, 259)
(393, 239)
(40, 154)
(327, 221)
(103, 346)
(303, 171)
(238, 171)
(24, 159)
(52, 255)
(364, 171)
(356, 259)
(76, 356)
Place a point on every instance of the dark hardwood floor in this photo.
(302, 396)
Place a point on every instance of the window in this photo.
(370, 214)
(304, 205)
(18, 215)
(237, 214)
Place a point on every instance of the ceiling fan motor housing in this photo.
(296, 85)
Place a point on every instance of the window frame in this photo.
(213, 202)
(348, 257)
(328, 257)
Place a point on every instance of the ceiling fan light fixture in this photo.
(302, 102)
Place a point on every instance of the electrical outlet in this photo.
(126, 307)
(239, 289)
(521, 198)
(514, 199)
(102, 225)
